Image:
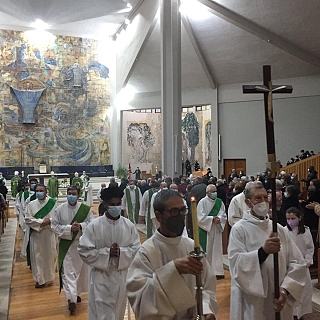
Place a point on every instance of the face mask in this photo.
(311, 189)
(234, 191)
(261, 209)
(291, 178)
(175, 224)
(286, 194)
(282, 181)
(72, 199)
(176, 190)
(293, 223)
(131, 186)
(39, 195)
(213, 195)
(114, 211)
(165, 188)
(32, 186)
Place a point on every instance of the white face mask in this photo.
(261, 209)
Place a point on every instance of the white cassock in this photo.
(20, 216)
(236, 208)
(75, 271)
(144, 212)
(107, 294)
(252, 287)
(87, 187)
(124, 202)
(42, 242)
(214, 231)
(304, 242)
(155, 288)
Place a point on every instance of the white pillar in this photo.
(171, 87)
(215, 134)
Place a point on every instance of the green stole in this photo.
(40, 215)
(86, 192)
(130, 207)
(64, 244)
(33, 197)
(202, 233)
(149, 221)
(25, 195)
(20, 195)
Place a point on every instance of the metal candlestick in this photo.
(197, 253)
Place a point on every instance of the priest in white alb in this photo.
(108, 246)
(161, 279)
(42, 240)
(69, 223)
(251, 249)
(212, 220)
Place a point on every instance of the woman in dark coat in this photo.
(310, 218)
(290, 200)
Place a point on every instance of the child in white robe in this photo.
(301, 236)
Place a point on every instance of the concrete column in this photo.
(171, 87)
(215, 133)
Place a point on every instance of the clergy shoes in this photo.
(72, 308)
(220, 277)
(38, 286)
(78, 299)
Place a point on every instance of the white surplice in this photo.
(107, 294)
(42, 243)
(214, 231)
(236, 208)
(155, 288)
(252, 287)
(74, 270)
(304, 242)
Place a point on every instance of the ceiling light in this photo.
(40, 25)
(195, 10)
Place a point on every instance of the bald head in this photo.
(163, 185)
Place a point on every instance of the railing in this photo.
(301, 169)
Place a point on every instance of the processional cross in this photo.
(268, 90)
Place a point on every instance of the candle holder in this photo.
(197, 253)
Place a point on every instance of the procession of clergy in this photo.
(159, 276)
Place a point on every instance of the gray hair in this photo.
(162, 197)
(143, 182)
(209, 186)
(278, 184)
(254, 186)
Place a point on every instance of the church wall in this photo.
(71, 125)
(242, 127)
(142, 139)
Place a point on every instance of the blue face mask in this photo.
(72, 199)
(32, 186)
(114, 211)
(285, 194)
(213, 195)
(40, 195)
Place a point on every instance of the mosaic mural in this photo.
(141, 134)
(69, 124)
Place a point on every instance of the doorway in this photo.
(229, 164)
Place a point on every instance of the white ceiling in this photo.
(233, 43)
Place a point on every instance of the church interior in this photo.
(150, 83)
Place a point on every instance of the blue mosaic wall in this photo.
(71, 124)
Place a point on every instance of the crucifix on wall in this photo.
(268, 89)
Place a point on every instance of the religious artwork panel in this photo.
(142, 138)
(54, 95)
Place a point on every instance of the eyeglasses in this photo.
(177, 211)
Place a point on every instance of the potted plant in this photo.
(121, 172)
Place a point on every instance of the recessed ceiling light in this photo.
(40, 25)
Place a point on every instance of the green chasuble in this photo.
(202, 233)
(53, 187)
(133, 215)
(26, 194)
(40, 215)
(149, 221)
(65, 244)
(14, 185)
(78, 183)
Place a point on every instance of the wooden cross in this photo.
(268, 90)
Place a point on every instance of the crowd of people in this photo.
(158, 277)
(303, 155)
